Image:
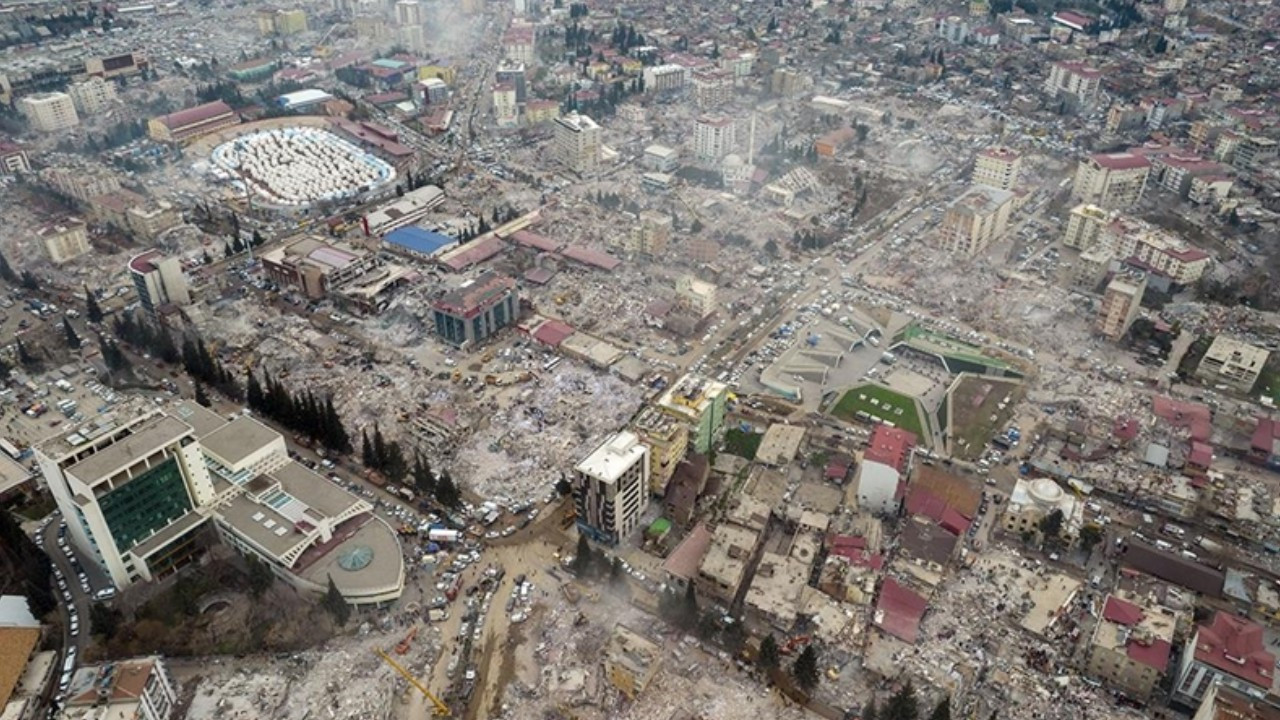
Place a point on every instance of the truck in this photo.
(443, 535)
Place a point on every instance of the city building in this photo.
(431, 91)
(64, 240)
(13, 159)
(20, 635)
(1229, 651)
(1153, 251)
(577, 143)
(661, 158)
(1223, 702)
(139, 688)
(1131, 646)
(514, 75)
(700, 403)
(1120, 305)
(631, 661)
(92, 96)
(402, 211)
(142, 490)
(1253, 152)
(1075, 82)
(538, 111)
(880, 483)
(282, 22)
(724, 566)
(49, 111)
(712, 89)
(713, 137)
(130, 63)
(997, 167)
(1084, 225)
(697, 297)
(193, 123)
(519, 44)
(1111, 180)
(314, 266)
(666, 78)
(80, 183)
(1233, 363)
(1033, 500)
(253, 70)
(476, 309)
(611, 488)
(151, 218)
(653, 234)
(158, 280)
(976, 219)
(668, 441)
(409, 12)
(506, 111)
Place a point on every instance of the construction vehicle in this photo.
(403, 647)
(792, 643)
(441, 710)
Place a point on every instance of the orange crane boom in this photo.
(441, 710)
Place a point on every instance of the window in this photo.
(147, 503)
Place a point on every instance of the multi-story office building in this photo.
(65, 240)
(1120, 305)
(1131, 646)
(577, 143)
(137, 689)
(611, 488)
(142, 491)
(700, 403)
(976, 219)
(1076, 82)
(1229, 651)
(409, 12)
(49, 111)
(713, 137)
(1111, 180)
(92, 96)
(997, 167)
(1232, 362)
(668, 441)
(159, 281)
(315, 266)
(477, 309)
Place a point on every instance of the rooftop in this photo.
(419, 240)
(1146, 636)
(237, 440)
(1236, 646)
(1120, 161)
(631, 650)
(122, 682)
(613, 457)
(683, 562)
(780, 444)
(195, 115)
(899, 611)
(142, 440)
(981, 200)
(473, 296)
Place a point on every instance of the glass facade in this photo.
(145, 504)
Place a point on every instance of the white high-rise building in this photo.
(49, 112)
(611, 487)
(713, 137)
(577, 142)
(93, 96)
(409, 12)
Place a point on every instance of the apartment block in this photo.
(665, 78)
(80, 183)
(700, 403)
(698, 297)
(139, 688)
(1120, 305)
(13, 159)
(976, 219)
(997, 167)
(1131, 647)
(49, 111)
(631, 660)
(1085, 224)
(713, 137)
(64, 241)
(149, 219)
(713, 89)
(92, 96)
(1233, 363)
(1153, 250)
(668, 441)
(577, 143)
(1077, 82)
(1253, 152)
(1111, 180)
(159, 281)
(1223, 702)
(1229, 651)
(611, 488)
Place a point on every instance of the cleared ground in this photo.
(973, 405)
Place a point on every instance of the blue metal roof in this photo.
(419, 240)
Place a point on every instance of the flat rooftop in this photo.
(237, 440)
(144, 439)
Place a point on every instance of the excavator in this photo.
(441, 710)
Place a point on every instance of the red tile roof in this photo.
(552, 332)
(899, 611)
(591, 257)
(1265, 435)
(1121, 611)
(1235, 646)
(195, 115)
(528, 239)
(1120, 161)
(1201, 454)
(890, 446)
(1192, 416)
(1153, 653)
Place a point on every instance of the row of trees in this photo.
(146, 337)
(301, 412)
(388, 458)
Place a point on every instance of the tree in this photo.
(24, 356)
(708, 624)
(1051, 526)
(943, 711)
(104, 620)
(563, 486)
(771, 247)
(582, 558)
(73, 340)
(6, 271)
(768, 658)
(1090, 535)
(202, 397)
(447, 492)
(91, 309)
(336, 604)
(615, 570)
(261, 577)
(366, 451)
(903, 705)
(805, 669)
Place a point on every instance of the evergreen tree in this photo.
(257, 238)
(422, 478)
(942, 711)
(73, 339)
(769, 656)
(5, 369)
(805, 669)
(25, 357)
(24, 568)
(253, 394)
(91, 309)
(260, 576)
(366, 450)
(447, 493)
(336, 604)
(379, 449)
(903, 705)
(6, 271)
(202, 398)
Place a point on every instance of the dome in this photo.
(1046, 492)
(355, 558)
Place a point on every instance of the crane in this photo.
(442, 710)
